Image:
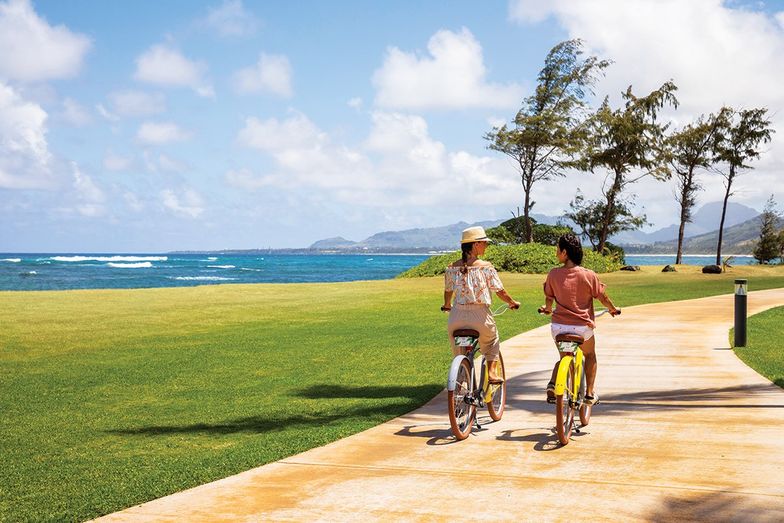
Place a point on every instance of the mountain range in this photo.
(741, 229)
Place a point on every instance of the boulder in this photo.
(630, 268)
(711, 269)
(669, 268)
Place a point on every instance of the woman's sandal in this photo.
(592, 399)
(551, 392)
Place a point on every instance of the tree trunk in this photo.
(608, 212)
(723, 215)
(684, 212)
(527, 230)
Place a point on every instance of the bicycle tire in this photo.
(564, 412)
(461, 414)
(585, 410)
(497, 403)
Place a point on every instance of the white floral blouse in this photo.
(474, 286)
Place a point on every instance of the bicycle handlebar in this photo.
(602, 312)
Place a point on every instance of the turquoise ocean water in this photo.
(124, 271)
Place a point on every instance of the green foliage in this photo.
(616, 251)
(549, 234)
(501, 235)
(769, 246)
(594, 219)
(529, 258)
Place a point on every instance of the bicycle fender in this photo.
(560, 379)
(452, 379)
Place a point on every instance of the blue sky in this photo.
(156, 126)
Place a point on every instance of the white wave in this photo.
(109, 258)
(140, 265)
(28, 273)
(12, 260)
(203, 278)
(212, 258)
(247, 269)
(220, 266)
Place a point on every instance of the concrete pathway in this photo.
(685, 431)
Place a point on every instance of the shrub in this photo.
(530, 258)
(549, 234)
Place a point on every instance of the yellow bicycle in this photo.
(570, 385)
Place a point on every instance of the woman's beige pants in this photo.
(479, 318)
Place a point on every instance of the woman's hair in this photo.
(466, 248)
(571, 244)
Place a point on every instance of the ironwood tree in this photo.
(548, 130)
(739, 137)
(628, 144)
(690, 150)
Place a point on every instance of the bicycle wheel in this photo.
(585, 410)
(461, 413)
(564, 412)
(497, 403)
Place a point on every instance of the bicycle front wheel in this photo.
(564, 410)
(461, 406)
(497, 401)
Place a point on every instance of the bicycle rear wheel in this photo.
(461, 413)
(564, 411)
(585, 410)
(497, 402)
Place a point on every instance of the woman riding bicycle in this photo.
(573, 288)
(470, 280)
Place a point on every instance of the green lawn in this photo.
(112, 398)
(763, 353)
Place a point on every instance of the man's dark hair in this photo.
(571, 244)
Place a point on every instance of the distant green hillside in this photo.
(738, 239)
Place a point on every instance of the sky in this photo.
(229, 124)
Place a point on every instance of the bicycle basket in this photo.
(568, 346)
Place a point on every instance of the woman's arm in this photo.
(447, 300)
(607, 302)
(508, 299)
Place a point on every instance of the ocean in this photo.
(22, 272)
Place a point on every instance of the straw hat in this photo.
(474, 234)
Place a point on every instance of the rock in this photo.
(711, 269)
(669, 268)
(630, 268)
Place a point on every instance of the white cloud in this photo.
(158, 133)
(231, 19)
(91, 198)
(115, 162)
(715, 54)
(453, 76)
(24, 152)
(33, 50)
(355, 103)
(398, 158)
(187, 203)
(133, 202)
(169, 164)
(75, 114)
(271, 74)
(103, 111)
(162, 65)
(137, 103)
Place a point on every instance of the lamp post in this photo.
(740, 312)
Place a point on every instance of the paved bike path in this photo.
(685, 431)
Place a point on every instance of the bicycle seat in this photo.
(575, 338)
(466, 332)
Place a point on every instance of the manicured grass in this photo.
(112, 398)
(764, 333)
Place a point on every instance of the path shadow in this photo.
(331, 391)
(718, 507)
(442, 435)
(543, 441)
(276, 422)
